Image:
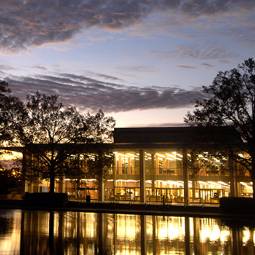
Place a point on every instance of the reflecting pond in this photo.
(41, 232)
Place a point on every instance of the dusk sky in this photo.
(141, 61)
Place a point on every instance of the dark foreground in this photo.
(143, 209)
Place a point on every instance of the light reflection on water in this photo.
(39, 232)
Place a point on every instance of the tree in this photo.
(47, 123)
(231, 102)
(10, 177)
(10, 112)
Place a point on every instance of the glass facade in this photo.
(165, 176)
(124, 182)
(245, 189)
(209, 176)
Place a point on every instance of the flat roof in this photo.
(153, 138)
(178, 135)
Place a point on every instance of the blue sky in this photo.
(143, 62)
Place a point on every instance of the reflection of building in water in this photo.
(90, 233)
(10, 224)
(183, 165)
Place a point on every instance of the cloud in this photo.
(207, 65)
(88, 93)
(211, 7)
(209, 52)
(106, 76)
(43, 68)
(6, 68)
(186, 66)
(35, 22)
(167, 124)
(138, 68)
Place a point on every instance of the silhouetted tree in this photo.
(48, 122)
(231, 102)
(10, 112)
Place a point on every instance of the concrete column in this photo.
(187, 236)
(100, 188)
(154, 240)
(153, 174)
(115, 231)
(60, 236)
(185, 177)
(236, 241)
(100, 234)
(24, 167)
(143, 235)
(114, 176)
(78, 234)
(100, 180)
(196, 239)
(232, 169)
(26, 170)
(61, 184)
(142, 177)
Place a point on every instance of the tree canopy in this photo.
(230, 101)
(10, 112)
(47, 121)
(43, 119)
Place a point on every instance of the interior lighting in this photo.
(214, 184)
(127, 228)
(209, 232)
(171, 159)
(223, 183)
(126, 250)
(158, 155)
(245, 235)
(245, 184)
(202, 183)
(120, 180)
(224, 235)
(170, 231)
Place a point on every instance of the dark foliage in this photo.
(11, 111)
(49, 122)
(231, 102)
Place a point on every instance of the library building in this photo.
(169, 165)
